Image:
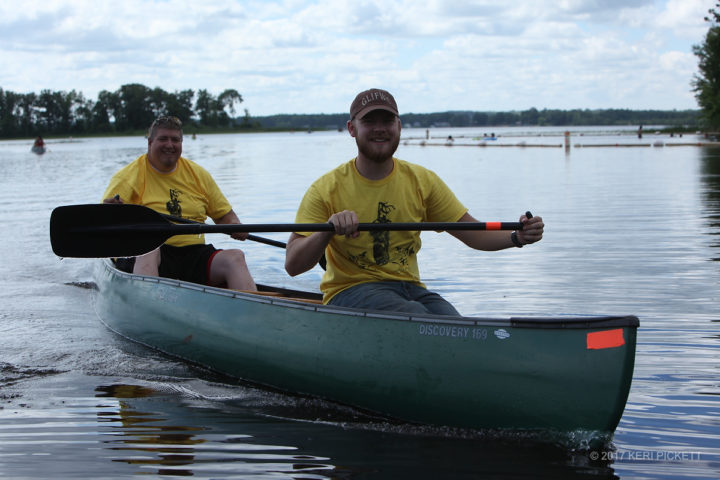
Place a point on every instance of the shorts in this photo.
(394, 296)
(190, 263)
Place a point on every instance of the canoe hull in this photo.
(460, 372)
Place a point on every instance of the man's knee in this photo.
(235, 257)
(227, 261)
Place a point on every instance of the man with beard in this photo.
(166, 182)
(379, 270)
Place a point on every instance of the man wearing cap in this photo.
(379, 270)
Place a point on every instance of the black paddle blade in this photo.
(106, 230)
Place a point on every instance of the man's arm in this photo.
(303, 253)
(232, 218)
(497, 239)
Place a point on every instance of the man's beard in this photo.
(378, 153)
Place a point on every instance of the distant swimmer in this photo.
(38, 146)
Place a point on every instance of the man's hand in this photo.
(532, 230)
(345, 223)
(113, 199)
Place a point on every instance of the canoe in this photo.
(559, 373)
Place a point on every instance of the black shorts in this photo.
(190, 263)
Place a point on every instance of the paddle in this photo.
(254, 238)
(126, 230)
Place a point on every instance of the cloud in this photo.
(293, 56)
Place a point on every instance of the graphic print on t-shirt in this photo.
(173, 206)
(381, 239)
(382, 254)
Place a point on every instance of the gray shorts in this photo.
(394, 296)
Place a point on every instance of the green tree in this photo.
(135, 110)
(227, 101)
(205, 108)
(180, 105)
(26, 113)
(158, 101)
(706, 83)
(56, 111)
(8, 118)
(530, 117)
(103, 110)
(81, 112)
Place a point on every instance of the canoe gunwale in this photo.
(549, 322)
(609, 321)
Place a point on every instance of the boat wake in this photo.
(304, 409)
(10, 375)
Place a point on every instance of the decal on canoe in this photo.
(501, 333)
(605, 339)
(452, 331)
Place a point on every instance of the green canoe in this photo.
(563, 374)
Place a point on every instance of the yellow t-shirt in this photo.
(189, 192)
(411, 193)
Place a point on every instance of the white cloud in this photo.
(294, 56)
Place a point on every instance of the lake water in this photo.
(629, 230)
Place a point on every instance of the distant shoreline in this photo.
(624, 129)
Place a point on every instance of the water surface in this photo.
(630, 230)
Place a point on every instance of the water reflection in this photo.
(149, 439)
(710, 179)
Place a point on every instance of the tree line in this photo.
(706, 83)
(133, 107)
(530, 117)
(130, 108)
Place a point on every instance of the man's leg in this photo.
(386, 296)
(228, 268)
(148, 264)
(432, 301)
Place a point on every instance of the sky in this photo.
(314, 56)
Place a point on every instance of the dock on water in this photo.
(507, 142)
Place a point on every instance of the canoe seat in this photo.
(281, 295)
(306, 300)
(265, 294)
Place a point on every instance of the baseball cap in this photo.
(373, 99)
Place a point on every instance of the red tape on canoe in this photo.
(605, 339)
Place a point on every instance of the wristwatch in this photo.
(515, 240)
